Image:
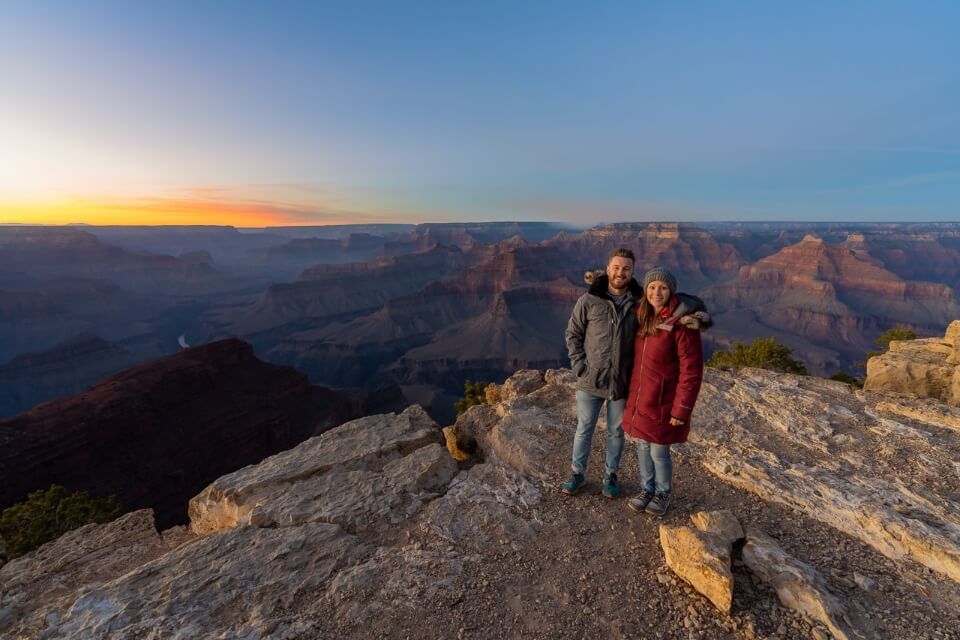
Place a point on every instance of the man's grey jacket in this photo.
(600, 340)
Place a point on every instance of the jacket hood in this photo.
(686, 305)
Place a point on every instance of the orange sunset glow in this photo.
(169, 210)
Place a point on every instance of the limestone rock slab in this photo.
(866, 484)
(521, 383)
(703, 560)
(340, 476)
(722, 524)
(798, 585)
(87, 556)
(925, 367)
(485, 505)
(235, 583)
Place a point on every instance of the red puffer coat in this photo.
(666, 377)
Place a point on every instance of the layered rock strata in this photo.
(925, 367)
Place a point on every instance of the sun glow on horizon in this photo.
(189, 207)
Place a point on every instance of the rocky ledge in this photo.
(927, 367)
(848, 502)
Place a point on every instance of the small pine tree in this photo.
(47, 514)
(474, 393)
(762, 353)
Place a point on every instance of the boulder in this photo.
(471, 426)
(703, 560)
(926, 367)
(369, 471)
(521, 383)
(798, 585)
(722, 524)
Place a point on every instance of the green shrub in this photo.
(762, 353)
(897, 332)
(48, 514)
(474, 393)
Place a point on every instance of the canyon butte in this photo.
(804, 508)
(440, 303)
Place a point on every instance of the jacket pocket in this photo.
(602, 378)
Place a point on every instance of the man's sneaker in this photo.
(639, 503)
(574, 484)
(658, 506)
(610, 487)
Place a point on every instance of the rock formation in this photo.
(156, 434)
(798, 585)
(925, 367)
(50, 252)
(702, 559)
(371, 529)
(65, 369)
(828, 296)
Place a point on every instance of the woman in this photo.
(664, 383)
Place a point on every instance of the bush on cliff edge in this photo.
(474, 393)
(47, 514)
(762, 353)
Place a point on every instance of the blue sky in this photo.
(314, 112)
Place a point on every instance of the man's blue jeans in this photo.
(656, 468)
(588, 410)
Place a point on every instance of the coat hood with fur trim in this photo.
(690, 312)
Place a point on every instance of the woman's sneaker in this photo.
(658, 505)
(639, 503)
(574, 484)
(611, 488)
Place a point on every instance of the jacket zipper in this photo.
(643, 352)
(660, 399)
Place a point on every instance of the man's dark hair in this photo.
(621, 253)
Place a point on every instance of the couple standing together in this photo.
(635, 347)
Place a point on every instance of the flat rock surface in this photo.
(368, 532)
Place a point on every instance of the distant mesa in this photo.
(155, 434)
(67, 368)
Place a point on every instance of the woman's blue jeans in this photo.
(588, 410)
(656, 468)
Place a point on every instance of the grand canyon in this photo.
(430, 306)
(337, 322)
(200, 376)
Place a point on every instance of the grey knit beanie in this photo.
(661, 274)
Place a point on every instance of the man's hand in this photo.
(676, 421)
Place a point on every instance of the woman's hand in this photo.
(676, 421)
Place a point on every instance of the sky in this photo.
(283, 112)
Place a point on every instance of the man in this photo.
(600, 338)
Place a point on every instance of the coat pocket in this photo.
(602, 378)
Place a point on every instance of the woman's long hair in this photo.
(647, 319)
